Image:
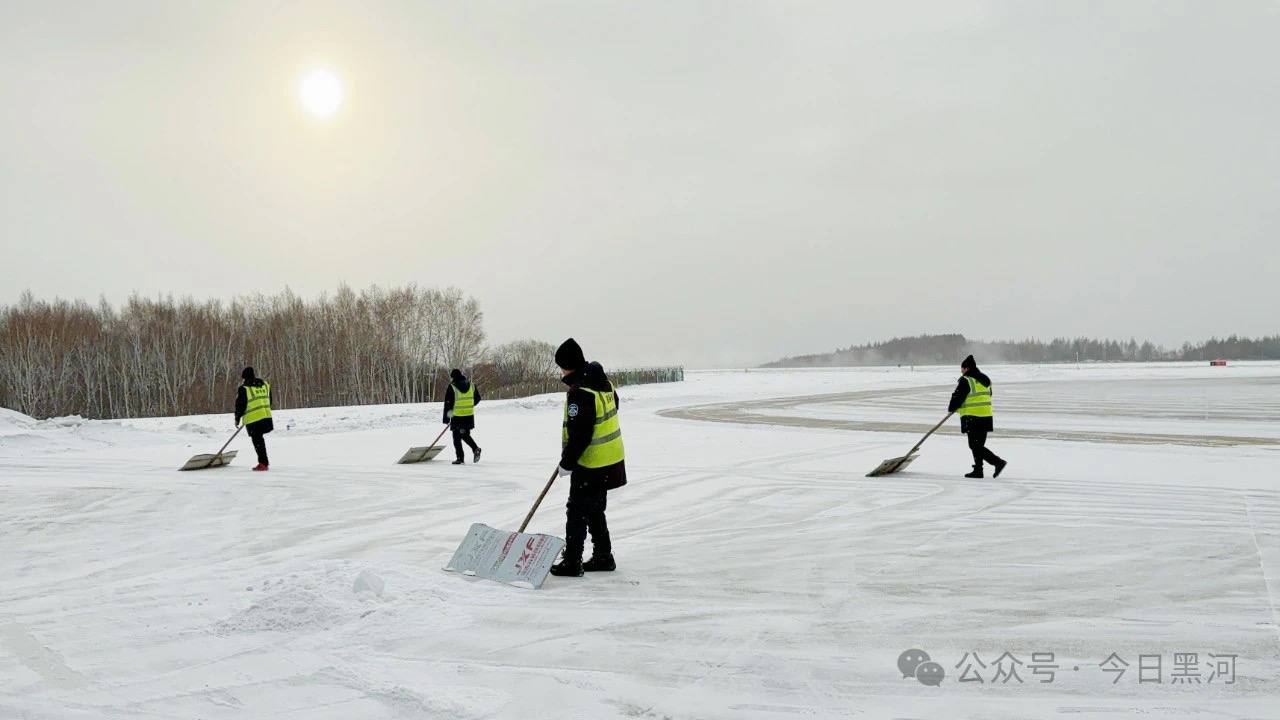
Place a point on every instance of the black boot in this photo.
(999, 468)
(457, 462)
(475, 456)
(975, 473)
(600, 563)
(567, 567)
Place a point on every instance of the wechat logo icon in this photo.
(917, 664)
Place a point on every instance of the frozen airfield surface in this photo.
(761, 575)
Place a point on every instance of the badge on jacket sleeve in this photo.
(573, 409)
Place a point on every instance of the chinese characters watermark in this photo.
(1183, 668)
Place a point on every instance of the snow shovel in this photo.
(218, 459)
(516, 558)
(893, 465)
(423, 454)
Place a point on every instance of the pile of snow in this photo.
(24, 435)
(13, 422)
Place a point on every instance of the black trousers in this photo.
(585, 512)
(978, 446)
(461, 435)
(260, 446)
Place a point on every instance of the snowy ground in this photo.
(761, 575)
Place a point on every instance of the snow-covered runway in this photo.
(760, 574)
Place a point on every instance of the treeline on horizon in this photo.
(949, 349)
(164, 357)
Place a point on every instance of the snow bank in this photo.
(13, 422)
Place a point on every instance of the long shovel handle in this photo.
(926, 435)
(442, 432)
(538, 502)
(218, 454)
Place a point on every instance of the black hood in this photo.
(254, 382)
(590, 376)
(978, 375)
(461, 382)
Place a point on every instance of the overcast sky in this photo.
(713, 183)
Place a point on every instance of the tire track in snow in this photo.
(1068, 505)
(757, 412)
(39, 658)
(1262, 561)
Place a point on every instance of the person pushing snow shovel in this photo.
(972, 400)
(592, 456)
(253, 408)
(460, 402)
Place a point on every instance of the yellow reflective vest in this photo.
(464, 403)
(606, 437)
(978, 402)
(258, 406)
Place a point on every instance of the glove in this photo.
(448, 416)
(562, 471)
(237, 422)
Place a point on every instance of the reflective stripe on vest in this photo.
(606, 437)
(464, 403)
(978, 402)
(258, 406)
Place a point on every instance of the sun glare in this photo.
(321, 93)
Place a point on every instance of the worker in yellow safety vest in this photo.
(460, 401)
(972, 401)
(591, 456)
(253, 408)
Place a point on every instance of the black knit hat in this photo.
(456, 374)
(968, 363)
(569, 355)
(247, 374)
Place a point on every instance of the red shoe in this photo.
(259, 468)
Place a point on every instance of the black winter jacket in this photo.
(958, 396)
(582, 423)
(460, 423)
(262, 427)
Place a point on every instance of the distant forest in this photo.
(162, 356)
(951, 348)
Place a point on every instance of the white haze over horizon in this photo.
(709, 183)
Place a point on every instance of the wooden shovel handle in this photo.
(538, 502)
(218, 454)
(926, 435)
(442, 432)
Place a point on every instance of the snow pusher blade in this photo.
(420, 454)
(423, 453)
(893, 465)
(516, 558)
(218, 459)
(209, 460)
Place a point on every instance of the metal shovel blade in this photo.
(892, 465)
(420, 454)
(515, 558)
(209, 460)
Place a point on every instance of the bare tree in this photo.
(169, 357)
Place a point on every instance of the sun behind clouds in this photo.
(321, 93)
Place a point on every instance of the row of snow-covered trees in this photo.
(166, 357)
(950, 348)
(176, 357)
